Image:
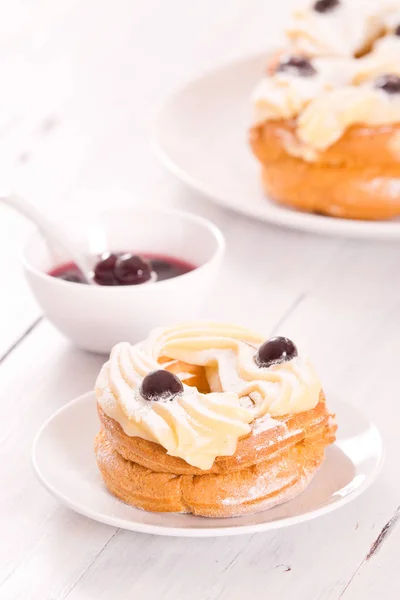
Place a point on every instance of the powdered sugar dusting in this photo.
(391, 186)
(264, 424)
(266, 497)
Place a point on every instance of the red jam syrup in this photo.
(126, 269)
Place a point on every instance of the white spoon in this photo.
(55, 238)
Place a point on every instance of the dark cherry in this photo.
(131, 270)
(104, 270)
(298, 65)
(323, 6)
(275, 350)
(389, 83)
(397, 30)
(161, 385)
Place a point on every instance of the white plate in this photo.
(201, 136)
(64, 461)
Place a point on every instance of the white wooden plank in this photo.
(18, 310)
(378, 574)
(37, 534)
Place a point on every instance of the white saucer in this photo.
(64, 461)
(201, 136)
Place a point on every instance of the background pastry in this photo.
(326, 117)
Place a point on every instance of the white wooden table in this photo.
(81, 82)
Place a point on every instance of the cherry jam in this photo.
(124, 268)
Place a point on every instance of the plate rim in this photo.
(289, 218)
(196, 531)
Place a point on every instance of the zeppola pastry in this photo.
(209, 419)
(326, 126)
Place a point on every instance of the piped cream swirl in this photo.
(323, 121)
(195, 426)
(343, 91)
(284, 95)
(346, 30)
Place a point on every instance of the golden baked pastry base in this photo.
(269, 467)
(358, 177)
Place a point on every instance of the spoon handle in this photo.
(55, 238)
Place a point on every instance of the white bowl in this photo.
(97, 317)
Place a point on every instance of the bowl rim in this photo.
(182, 214)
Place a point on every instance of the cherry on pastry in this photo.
(323, 6)
(397, 30)
(298, 65)
(131, 270)
(104, 270)
(160, 385)
(389, 83)
(274, 351)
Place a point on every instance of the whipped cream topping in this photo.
(385, 58)
(326, 118)
(390, 14)
(197, 426)
(283, 95)
(345, 30)
(342, 92)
